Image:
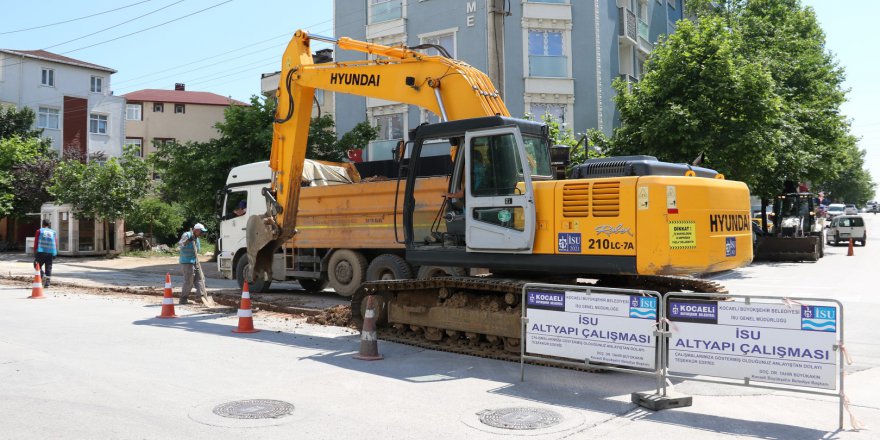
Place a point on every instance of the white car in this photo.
(834, 210)
(850, 210)
(844, 227)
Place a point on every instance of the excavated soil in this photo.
(339, 316)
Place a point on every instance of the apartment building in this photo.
(156, 116)
(556, 57)
(73, 100)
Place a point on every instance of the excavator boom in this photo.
(449, 88)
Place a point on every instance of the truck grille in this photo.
(606, 199)
(576, 199)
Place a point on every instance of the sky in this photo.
(223, 46)
(220, 46)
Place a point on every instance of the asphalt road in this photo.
(101, 366)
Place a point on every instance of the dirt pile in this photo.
(339, 316)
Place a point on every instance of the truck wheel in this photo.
(389, 267)
(346, 271)
(313, 285)
(426, 272)
(260, 285)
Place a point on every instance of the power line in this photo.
(73, 19)
(149, 28)
(115, 25)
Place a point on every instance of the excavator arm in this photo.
(449, 88)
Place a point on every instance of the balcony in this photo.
(627, 26)
(548, 66)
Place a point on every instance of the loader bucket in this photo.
(262, 242)
(788, 249)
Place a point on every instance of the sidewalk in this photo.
(147, 275)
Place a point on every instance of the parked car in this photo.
(844, 227)
(834, 210)
(850, 210)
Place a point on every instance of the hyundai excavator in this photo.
(623, 222)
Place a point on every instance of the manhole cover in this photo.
(254, 409)
(520, 418)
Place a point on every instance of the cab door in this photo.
(499, 198)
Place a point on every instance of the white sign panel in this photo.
(607, 328)
(775, 343)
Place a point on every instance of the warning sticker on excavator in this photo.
(643, 198)
(682, 234)
(671, 202)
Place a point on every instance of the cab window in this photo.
(538, 156)
(236, 204)
(496, 168)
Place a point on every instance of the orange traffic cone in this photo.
(245, 314)
(369, 345)
(167, 300)
(37, 287)
(850, 253)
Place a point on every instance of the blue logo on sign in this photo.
(552, 300)
(570, 242)
(820, 319)
(730, 247)
(644, 307)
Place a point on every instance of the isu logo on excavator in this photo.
(355, 79)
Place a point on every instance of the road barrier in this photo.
(770, 342)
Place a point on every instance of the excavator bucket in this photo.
(262, 242)
(789, 249)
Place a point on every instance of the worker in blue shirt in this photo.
(45, 250)
(190, 246)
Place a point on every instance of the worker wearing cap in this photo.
(189, 250)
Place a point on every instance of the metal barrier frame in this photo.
(746, 382)
(658, 334)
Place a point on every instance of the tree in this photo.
(749, 84)
(358, 137)
(101, 189)
(25, 166)
(701, 94)
(160, 219)
(15, 122)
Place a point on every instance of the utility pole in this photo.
(495, 30)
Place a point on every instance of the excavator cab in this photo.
(490, 204)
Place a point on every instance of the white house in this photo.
(73, 100)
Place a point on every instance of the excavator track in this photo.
(479, 316)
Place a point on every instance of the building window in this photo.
(390, 126)
(138, 143)
(447, 41)
(179, 108)
(158, 142)
(133, 112)
(48, 78)
(97, 123)
(385, 10)
(546, 54)
(557, 111)
(97, 84)
(158, 107)
(319, 97)
(48, 118)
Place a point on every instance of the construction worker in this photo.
(45, 250)
(190, 246)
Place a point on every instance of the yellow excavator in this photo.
(624, 221)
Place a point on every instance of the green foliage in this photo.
(104, 190)
(15, 122)
(25, 166)
(160, 219)
(749, 84)
(359, 136)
